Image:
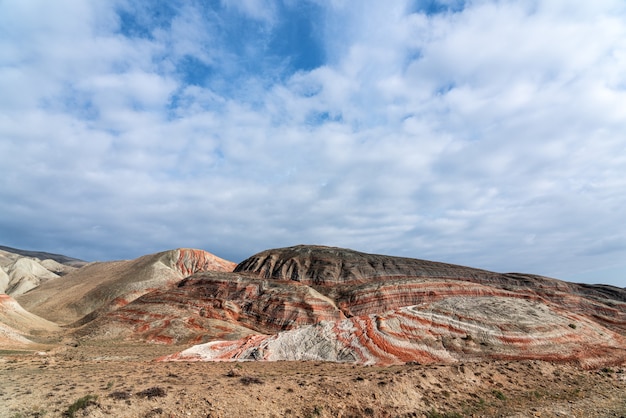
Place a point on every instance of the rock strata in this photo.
(452, 330)
(216, 305)
(363, 283)
(405, 310)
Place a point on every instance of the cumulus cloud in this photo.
(484, 133)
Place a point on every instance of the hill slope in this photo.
(21, 271)
(41, 255)
(398, 310)
(102, 287)
(19, 328)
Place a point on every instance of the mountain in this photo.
(459, 341)
(62, 259)
(97, 288)
(399, 310)
(369, 283)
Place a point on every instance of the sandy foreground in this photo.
(126, 381)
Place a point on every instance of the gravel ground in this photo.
(126, 381)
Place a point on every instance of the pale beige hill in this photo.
(7, 257)
(26, 274)
(20, 274)
(56, 267)
(4, 281)
(102, 287)
(41, 255)
(18, 327)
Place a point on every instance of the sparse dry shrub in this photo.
(434, 414)
(155, 412)
(153, 392)
(499, 395)
(120, 395)
(81, 403)
(248, 380)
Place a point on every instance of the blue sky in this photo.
(483, 133)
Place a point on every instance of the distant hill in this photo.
(21, 271)
(63, 259)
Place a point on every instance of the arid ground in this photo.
(126, 381)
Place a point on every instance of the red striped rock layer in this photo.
(367, 283)
(213, 305)
(189, 261)
(450, 330)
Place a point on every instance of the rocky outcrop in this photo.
(399, 310)
(213, 305)
(456, 329)
(188, 261)
(98, 288)
(363, 283)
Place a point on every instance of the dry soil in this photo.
(122, 380)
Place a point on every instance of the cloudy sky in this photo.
(485, 133)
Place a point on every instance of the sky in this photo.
(486, 133)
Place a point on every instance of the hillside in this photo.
(394, 310)
(21, 271)
(101, 287)
(41, 255)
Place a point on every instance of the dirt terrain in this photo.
(126, 381)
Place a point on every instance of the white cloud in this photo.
(491, 136)
(261, 10)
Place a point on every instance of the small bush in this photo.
(247, 380)
(155, 412)
(315, 412)
(81, 403)
(499, 395)
(153, 392)
(120, 395)
(572, 326)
